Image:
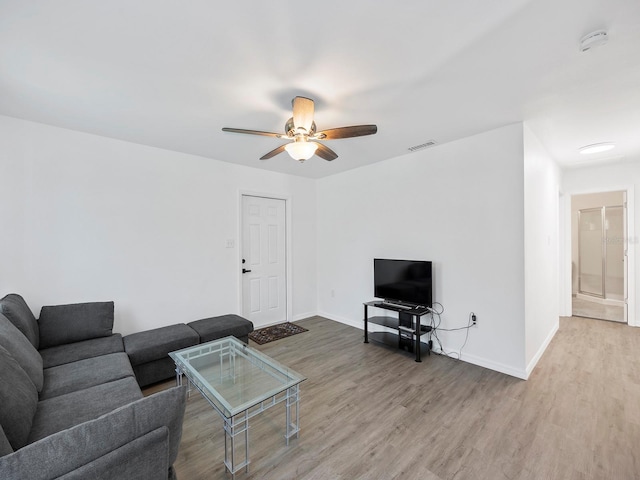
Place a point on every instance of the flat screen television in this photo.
(403, 281)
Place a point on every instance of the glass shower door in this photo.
(614, 265)
(591, 251)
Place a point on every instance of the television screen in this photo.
(402, 281)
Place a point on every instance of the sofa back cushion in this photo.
(18, 400)
(22, 351)
(18, 312)
(144, 458)
(143, 436)
(5, 446)
(62, 324)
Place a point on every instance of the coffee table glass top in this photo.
(233, 376)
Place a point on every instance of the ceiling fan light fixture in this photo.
(301, 151)
(596, 148)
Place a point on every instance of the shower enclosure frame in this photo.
(603, 253)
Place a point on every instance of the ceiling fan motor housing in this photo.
(290, 128)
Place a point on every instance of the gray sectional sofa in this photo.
(70, 405)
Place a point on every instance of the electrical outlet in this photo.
(474, 319)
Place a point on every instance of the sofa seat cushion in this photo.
(21, 350)
(18, 401)
(86, 373)
(65, 411)
(223, 326)
(73, 352)
(62, 324)
(151, 345)
(18, 312)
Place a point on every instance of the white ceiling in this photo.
(171, 74)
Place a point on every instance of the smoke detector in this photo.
(593, 39)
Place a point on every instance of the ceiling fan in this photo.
(302, 130)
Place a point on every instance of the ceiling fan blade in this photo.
(325, 152)
(303, 113)
(346, 132)
(273, 152)
(253, 132)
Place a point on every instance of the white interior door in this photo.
(264, 283)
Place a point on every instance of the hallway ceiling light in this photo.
(597, 148)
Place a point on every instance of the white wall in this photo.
(604, 178)
(460, 205)
(89, 218)
(102, 219)
(542, 180)
(12, 203)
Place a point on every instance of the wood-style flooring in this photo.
(369, 412)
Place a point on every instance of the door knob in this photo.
(244, 270)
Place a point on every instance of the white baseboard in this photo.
(475, 360)
(302, 316)
(485, 363)
(353, 323)
(536, 358)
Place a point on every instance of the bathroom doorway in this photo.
(599, 256)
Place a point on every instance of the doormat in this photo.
(275, 332)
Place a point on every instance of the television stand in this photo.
(394, 306)
(407, 324)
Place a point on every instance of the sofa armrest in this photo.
(62, 324)
(116, 437)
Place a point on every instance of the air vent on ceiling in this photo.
(428, 144)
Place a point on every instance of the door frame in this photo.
(288, 237)
(565, 304)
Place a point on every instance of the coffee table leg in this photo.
(179, 382)
(293, 400)
(233, 427)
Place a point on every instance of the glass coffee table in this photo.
(240, 382)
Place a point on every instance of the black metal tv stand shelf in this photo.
(407, 323)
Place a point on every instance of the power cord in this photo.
(439, 311)
(436, 326)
